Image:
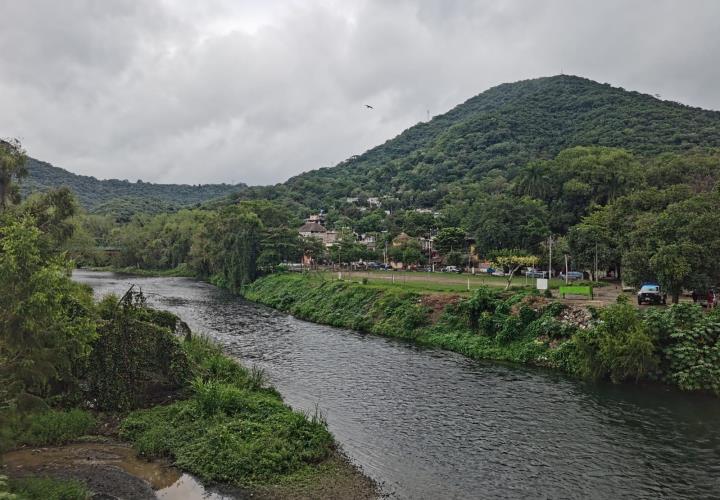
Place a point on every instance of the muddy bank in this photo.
(112, 470)
(109, 471)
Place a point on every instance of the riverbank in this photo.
(679, 345)
(427, 423)
(181, 406)
(176, 272)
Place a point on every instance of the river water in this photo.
(430, 424)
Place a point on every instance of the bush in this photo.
(694, 356)
(618, 347)
(136, 352)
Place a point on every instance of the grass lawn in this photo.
(433, 282)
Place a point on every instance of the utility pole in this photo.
(596, 263)
(566, 269)
(550, 243)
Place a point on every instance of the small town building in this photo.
(314, 228)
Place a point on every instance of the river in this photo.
(430, 424)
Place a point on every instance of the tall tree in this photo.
(236, 235)
(12, 169)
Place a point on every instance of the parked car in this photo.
(372, 265)
(498, 272)
(572, 275)
(531, 272)
(451, 269)
(650, 293)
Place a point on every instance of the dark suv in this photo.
(650, 293)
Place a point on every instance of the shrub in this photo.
(134, 354)
(618, 347)
(694, 356)
(483, 300)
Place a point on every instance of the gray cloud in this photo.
(255, 92)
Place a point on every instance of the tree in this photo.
(506, 222)
(512, 261)
(12, 169)
(279, 244)
(449, 239)
(236, 245)
(592, 240)
(313, 248)
(674, 265)
(534, 181)
(412, 255)
(46, 323)
(455, 258)
(677, 247)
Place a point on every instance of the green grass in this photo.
(48, 428)
(40, 488)
(423, 282)
(232, 428)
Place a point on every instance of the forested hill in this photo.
(94, 193)
(499, 131)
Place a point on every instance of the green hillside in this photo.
(498, 132)
(97, 194)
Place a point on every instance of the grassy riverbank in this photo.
(177, 399)
(679, 345)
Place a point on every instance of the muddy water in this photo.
(431, 424)
(76, 459)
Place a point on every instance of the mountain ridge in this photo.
(501, 130)
(93, 193)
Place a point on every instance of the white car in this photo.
(498, 273)
(451, 269)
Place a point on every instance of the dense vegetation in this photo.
(679, 345)
(95, 194)
(68, 362)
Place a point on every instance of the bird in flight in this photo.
(369, 107)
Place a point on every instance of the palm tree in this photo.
(534, 181)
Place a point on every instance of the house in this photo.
(369, 241)
(317, 218)
(426, 244)
(313, 228)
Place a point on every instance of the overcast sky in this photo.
(257, 91)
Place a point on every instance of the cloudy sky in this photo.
(256, 91)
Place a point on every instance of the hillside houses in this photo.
(313, 228)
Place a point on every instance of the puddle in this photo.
(187, 487)
(168, 482)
